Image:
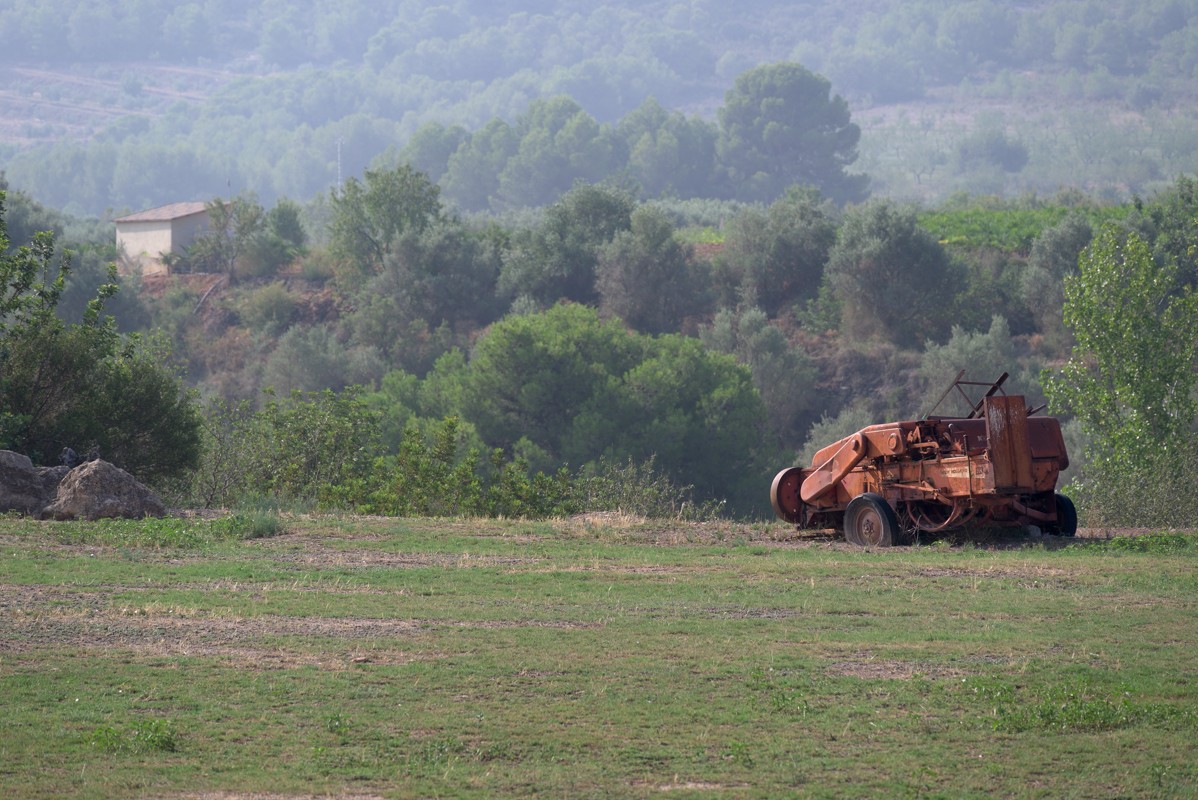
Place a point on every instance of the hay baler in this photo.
(997, 465)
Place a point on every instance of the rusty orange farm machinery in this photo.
(997, 465)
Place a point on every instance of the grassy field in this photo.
(590, 657)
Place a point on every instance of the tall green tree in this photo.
(1130, 383)
(560, 144)
(781, 125)
(777, 256)
(1131, 377)
(572, 388)
(444, 274)
(431, 147)
(232, 227)
(369, 215)
(1168, 223)
(471, 177)
(696, 411)
(785, 377)
(669, 153)
(550, 377)
(1054, 256)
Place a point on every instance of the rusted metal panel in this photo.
(1006, 432)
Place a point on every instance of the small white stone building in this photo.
(142, 238)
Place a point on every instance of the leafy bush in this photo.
(640, 489)
(1157, 489)
(82, 384)
(430, 476)
(255, 525)
(270, 308)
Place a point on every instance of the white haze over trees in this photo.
(118, 105)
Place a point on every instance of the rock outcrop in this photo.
(21, 487)
(92, 490)
(99, 490)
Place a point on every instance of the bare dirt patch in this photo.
(242, 643)
(889, 669)
(41, 617)
(316, 553)
(689, 786)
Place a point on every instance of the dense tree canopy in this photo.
(799, 317)
(579, 388)
(645, 275)
(781, 125)
(369, 215)
(276, 98)
(556, 259)
(892, 278)
(777, 255)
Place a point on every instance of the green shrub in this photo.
(1155, 490)
(639, 489)
(255, 525)
(270, 309)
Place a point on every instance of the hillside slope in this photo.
(107, 108)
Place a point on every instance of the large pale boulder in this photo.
(21, 487)
(98, 490)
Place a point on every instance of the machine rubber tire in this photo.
(1066, 524)
(869, 521)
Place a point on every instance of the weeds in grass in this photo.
(1076, 707)
(1169, 780)
(172, 532)
(1150, 543)
(254, 525)
(150, 735)
(775, 698)
(339, 726)
(739, 753)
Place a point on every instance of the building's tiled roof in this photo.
(165, 213)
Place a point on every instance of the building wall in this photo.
(143, 242)
(185, 229)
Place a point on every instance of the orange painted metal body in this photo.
(998, 465)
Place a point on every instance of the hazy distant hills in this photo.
(117, 104)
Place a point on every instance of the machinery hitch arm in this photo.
(824, 477)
